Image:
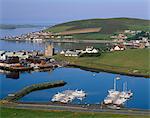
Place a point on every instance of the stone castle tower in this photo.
(49, 51)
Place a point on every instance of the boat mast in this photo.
(114, 84)
(125, 86)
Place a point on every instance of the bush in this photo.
(90, 54)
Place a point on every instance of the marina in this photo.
(68, 96)
(96, 87)
(117, 98)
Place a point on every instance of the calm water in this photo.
(17, 31)
(27, 45)
(95, 86)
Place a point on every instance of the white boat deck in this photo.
(117, 97)
(68, 96)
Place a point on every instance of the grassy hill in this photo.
(108, 26)
(133, 61)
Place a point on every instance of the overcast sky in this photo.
(55, 11)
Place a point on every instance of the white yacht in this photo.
(68, 96)
(118, 98)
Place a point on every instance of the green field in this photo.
(108, 27)
(58, 29)
(133, 61)
(21, 113)
(92, 36)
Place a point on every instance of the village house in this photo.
(90, 50)
(2, 56)
(71, 53)
(118, 48)
(62, 52)
(21, 55)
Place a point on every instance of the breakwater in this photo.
(34, 87)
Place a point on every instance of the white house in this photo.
(94, 51)
(71, 53)
(127, 31)
(117, 48)
(62, 52)
(21, 55)
(90, 50)
(2, 55)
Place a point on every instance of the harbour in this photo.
(95, 83)
(77, 79)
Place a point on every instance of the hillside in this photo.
(132, 61)
(108, 26)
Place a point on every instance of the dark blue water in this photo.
(95, 86)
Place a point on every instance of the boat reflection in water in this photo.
(12, 75)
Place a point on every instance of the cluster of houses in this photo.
(77, 52)
(22, 59)
(38, 36)
(132, 32)
(122, 36)
(28, 60)
(123, 43)
(135, 44)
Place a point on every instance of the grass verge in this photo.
(24, 113)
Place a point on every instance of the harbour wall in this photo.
(34, 87)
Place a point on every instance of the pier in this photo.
(117, 98)
(31, 88)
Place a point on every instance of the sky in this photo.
(57, 11)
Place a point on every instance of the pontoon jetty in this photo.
(117, 98)
(68, 96)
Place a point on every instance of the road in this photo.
(75, 108)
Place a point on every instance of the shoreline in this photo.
(67, 41)
(108, 71)
(98, 69)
